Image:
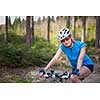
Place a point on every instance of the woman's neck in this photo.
(71, 45)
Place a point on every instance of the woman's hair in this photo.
(72, 38)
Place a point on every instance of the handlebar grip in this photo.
(42, 71)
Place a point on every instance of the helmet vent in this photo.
(60, 32)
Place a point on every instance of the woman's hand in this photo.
(42, 72)
(76, 72)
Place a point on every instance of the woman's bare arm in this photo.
(81, 57)
(54, 59)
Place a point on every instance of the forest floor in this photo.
(30, 74)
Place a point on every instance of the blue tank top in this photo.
(73, 54)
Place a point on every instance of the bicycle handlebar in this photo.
(54, 75)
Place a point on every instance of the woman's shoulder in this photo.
(80, 44)
(77, 41)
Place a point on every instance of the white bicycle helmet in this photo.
(64, 32)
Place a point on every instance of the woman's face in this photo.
(67, 41)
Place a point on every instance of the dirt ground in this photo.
(92, 78)
(95, 76)
(10, 75)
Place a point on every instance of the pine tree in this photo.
(48, 35)
(28, 31)
(68, 22)
(97, 42)
(6, 30)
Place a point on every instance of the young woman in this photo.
(82, 65)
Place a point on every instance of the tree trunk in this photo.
(28, 31)
(48, 35)
(33, 27)
(68, 22)
(83, 29)
(97, 42)
(43, 18)
(53, 19)
(6, 30)
(73, 26)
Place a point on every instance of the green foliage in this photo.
(16, 54)
(91, 43)
(17, 25)
(91, 30)
(90, 46)
(42, 52)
